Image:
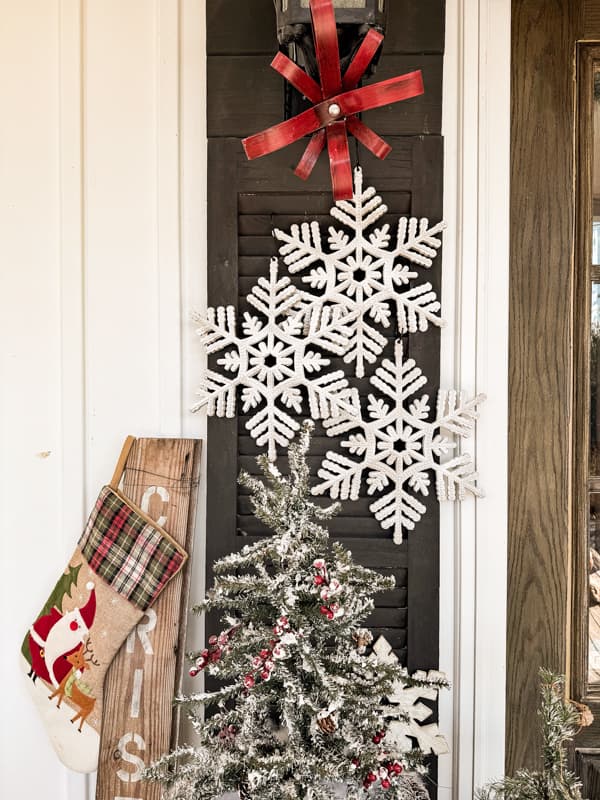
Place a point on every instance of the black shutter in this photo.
(247, 200)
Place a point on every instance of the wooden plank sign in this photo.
(139, 723)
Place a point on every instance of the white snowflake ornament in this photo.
(363, 276)
(404, 711)
(397, 446)
(274, 362)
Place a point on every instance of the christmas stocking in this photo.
(120, 565)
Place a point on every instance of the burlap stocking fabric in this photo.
(120, 565)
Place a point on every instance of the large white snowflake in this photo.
(398, 445)
(405, 712)
(274, 362)
(364, 277)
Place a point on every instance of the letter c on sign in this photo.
(164, 496)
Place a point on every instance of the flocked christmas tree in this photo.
(560, 721)
(302, 704)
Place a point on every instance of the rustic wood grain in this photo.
(540, 360)
(588, 768)
(581, 393)
(586, 745)
(591, 11)
(174, 465)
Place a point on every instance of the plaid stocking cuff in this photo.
(132, 555)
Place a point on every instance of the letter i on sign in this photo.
(141, 631)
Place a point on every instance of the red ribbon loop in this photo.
(297, 77)
(339, 161)
(326, 46)
(362, 58)
(311, 154)
(327, 123)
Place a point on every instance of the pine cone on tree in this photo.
(327, 724)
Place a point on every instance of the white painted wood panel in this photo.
(102, 255)
(476, 127)
(30, 370)
(122, 302)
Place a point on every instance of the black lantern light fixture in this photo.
(294, 32)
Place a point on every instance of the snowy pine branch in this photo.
(560, 721)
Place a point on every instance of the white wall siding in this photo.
(102, 207)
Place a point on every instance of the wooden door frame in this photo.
(587, 56)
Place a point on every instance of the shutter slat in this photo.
(295, 206)
(263, 224)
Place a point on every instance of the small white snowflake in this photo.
(405, 713)
(362, 277)
(397, 447)
(274, 362)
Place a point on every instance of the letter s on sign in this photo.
(131, 758)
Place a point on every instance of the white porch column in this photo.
(476, 127)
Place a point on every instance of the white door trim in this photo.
(474, 357)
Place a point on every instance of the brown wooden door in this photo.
(550, 481)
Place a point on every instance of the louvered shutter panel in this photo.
(246, 201)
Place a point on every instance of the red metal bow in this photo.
(337, 101)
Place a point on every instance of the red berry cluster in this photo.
(385, 774)
(263, 663)
(217, 645)
(328, 589)
(370, 778)
(379, 736)
(228, 733)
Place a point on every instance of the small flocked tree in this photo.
(300, 704)
(560, 721)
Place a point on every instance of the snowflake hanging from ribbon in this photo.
(363, 275)
(275, 363)
(397, 447)
(405, 713)
(337, 102)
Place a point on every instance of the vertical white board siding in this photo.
(170, 63)
(72, 332)
(122, 303)
(193, 154)
(31, 478)
(102, 256)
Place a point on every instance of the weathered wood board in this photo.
(139, 723)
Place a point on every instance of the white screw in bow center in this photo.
(334, 110)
